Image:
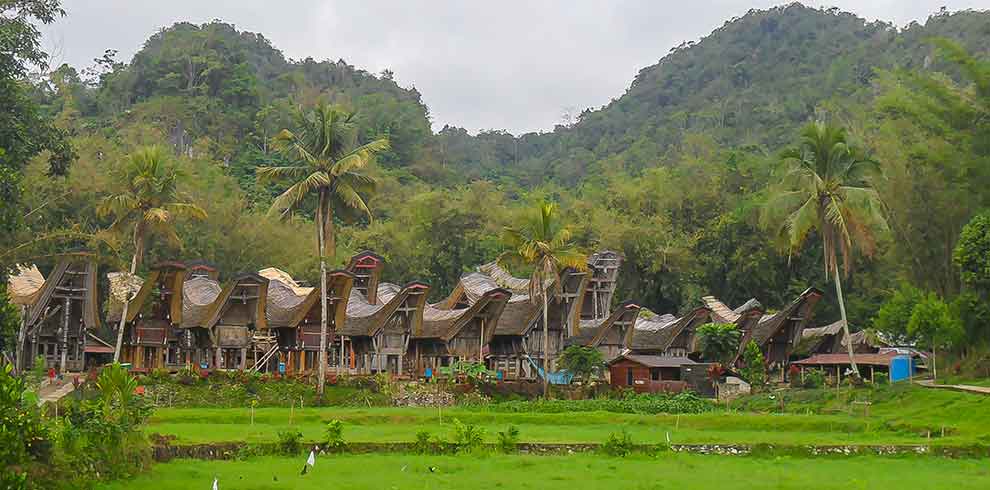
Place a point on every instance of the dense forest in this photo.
(674, 174)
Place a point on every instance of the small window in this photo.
(655, 374)
(629, 376)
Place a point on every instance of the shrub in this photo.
(384, 384)
(755, 370)
(187, 376)
(289, 442)
(582, 362)
(643, 403)
(508, 439)
(814, 378)
(334, 436)
(619, 445)
(423, 444)
(468, 437)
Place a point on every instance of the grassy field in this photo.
(576, 472)
(898, 415)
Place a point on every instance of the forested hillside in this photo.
(673, 173)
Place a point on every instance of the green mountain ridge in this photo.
(671, 173)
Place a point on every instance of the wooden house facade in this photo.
(610, 336)
(61, 320)
(237, 313)
(463, 333)
(376, 335)
(294, 316)
(151, 339)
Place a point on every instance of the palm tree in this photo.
(545, 246)
(147, 204)
(325, 163)
(828, 189)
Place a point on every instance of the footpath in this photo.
(981, 390)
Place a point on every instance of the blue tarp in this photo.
(901, 368)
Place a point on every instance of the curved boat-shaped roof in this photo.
(366, 319)
(24, 286)
(198, 296)
(289, 302)
(659, 332)
(592, 332)
(446, 323)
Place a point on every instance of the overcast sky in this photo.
(500, 64)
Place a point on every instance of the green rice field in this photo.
(903, 415)
(575, 472)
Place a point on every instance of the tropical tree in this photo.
(828, 190)
(544, 245)
(719, 341)
(326, 162)
(583, 362)
(147, 204)
(934, 326)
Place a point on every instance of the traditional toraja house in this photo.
(506, 349)
(237, 313)
(821, 340)
(666, 335)
(151, 339)
(367, 268)
(446, 336)
(517, 346)
(63, 315)
(199, 293)
(23, 286)
(777, 334)
(603, 269)
(376, 335)
(609, 336)
(294, 317)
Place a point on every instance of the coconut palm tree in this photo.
(326, 161)
(148, 204)
(545, 246)
(828, 190)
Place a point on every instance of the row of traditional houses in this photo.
(181, 315)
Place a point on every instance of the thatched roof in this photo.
(833, 328)
(24, 285)
(198, 296)
(444, 324)
(592, 332)
(237, 290)
(657, 333)
(76, 275)
(517, 316)
(812, 339)
(503, 278)
(798, 310)
(122, 286)
(366, 319)
(275, 274)
(865, 339)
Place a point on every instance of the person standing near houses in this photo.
(51, 375)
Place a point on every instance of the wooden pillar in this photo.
(219, 359)
(302, 361)
(243, 358)
(65, 334)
